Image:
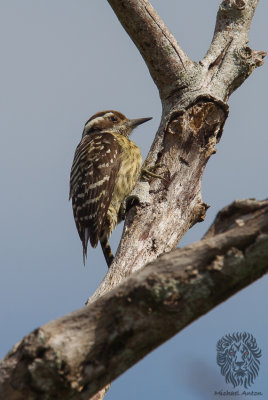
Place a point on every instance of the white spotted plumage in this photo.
(105, 169)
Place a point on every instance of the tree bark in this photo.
(194, 102)
(77, 355)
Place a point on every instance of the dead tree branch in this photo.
(78, 354)
(159, 49)
(194, 113)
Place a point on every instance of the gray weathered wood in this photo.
(194, 100)
(77, 355)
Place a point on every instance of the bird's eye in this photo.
(112, 118)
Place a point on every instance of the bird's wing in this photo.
(93, 176)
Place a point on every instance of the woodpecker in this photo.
(105, 170)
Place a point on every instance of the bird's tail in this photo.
(85, 239)
(107, 251)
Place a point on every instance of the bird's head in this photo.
(112, 121)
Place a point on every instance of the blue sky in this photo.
(62, 61)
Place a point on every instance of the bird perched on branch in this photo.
(105, 170)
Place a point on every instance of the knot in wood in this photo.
(205, 118)
(240, 4)
(217, 264)
(251, 57)
(201, 120)
(232, 5)
(176, 125)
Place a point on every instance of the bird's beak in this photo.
(135, 122)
